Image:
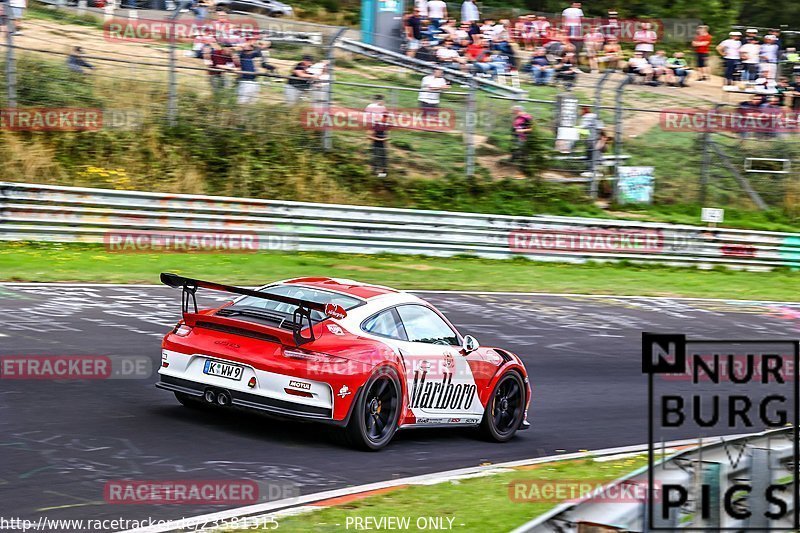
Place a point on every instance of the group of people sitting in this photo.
(658, 68)
(479, 48)
(491, 47)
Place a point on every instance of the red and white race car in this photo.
(367, 358)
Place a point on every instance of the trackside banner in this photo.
(601, 240)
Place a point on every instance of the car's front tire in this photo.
(374, 418)
(505, 409)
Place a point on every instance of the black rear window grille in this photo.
(233, 330)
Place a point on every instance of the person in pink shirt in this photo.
(593, 44)
(541, 29)
(645, 40)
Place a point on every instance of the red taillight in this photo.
(164, 364)
(182, 330)
(312, 356)
(251, 383)
(302, 393)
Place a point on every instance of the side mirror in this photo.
(469, 344)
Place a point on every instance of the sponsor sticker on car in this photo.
(300, 385)
(335, 310)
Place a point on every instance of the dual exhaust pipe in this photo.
(220, 397)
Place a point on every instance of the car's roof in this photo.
(346, 286)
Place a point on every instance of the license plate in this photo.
(223, 370)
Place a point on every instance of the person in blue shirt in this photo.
(76, 63)
(541, 69)
(249, 87)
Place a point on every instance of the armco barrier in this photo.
(70, 214)
(756, 461)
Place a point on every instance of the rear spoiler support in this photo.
(301, 316)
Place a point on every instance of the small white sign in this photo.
(712, 215)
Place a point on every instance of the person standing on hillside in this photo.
(645, 40)
(413, 27)
(300, 81)
(571, 18)
(729, 50)
(470, 12)
(17, 12)
(437, 13)
(379, 135)
(249, 87)
(521, 127)
(431, 90)
(701, 44)
(750, 56)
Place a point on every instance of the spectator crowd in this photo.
(558, 49)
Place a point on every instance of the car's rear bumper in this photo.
(252, 401)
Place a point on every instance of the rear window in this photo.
(301, 293)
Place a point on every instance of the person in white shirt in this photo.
(450, 58)
(769, 55)
(375, 111)
(469, 11)
(437, 12)
(17, 12)
(571, 17)
(432, 87)
(489, 29)
(640, 65)
(750, 54)
(422, 5)
(729, 50)
(645, 40)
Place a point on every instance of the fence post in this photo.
(598, 101)
(469, 127)
(172, 98)
(327, 135)
(705, 138)
(705, 171)
(11, 62)
(618, 131)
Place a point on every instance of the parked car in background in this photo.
(270, 8)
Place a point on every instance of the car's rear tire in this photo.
(192, 402)
(505, 409)
(374, 418)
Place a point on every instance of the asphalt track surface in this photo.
(60, 442)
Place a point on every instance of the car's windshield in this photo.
(269, 309)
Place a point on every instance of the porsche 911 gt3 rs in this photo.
(369, 359)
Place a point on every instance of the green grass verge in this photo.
(477, 504)
(91, 263)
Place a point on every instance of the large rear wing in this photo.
(300, 319)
